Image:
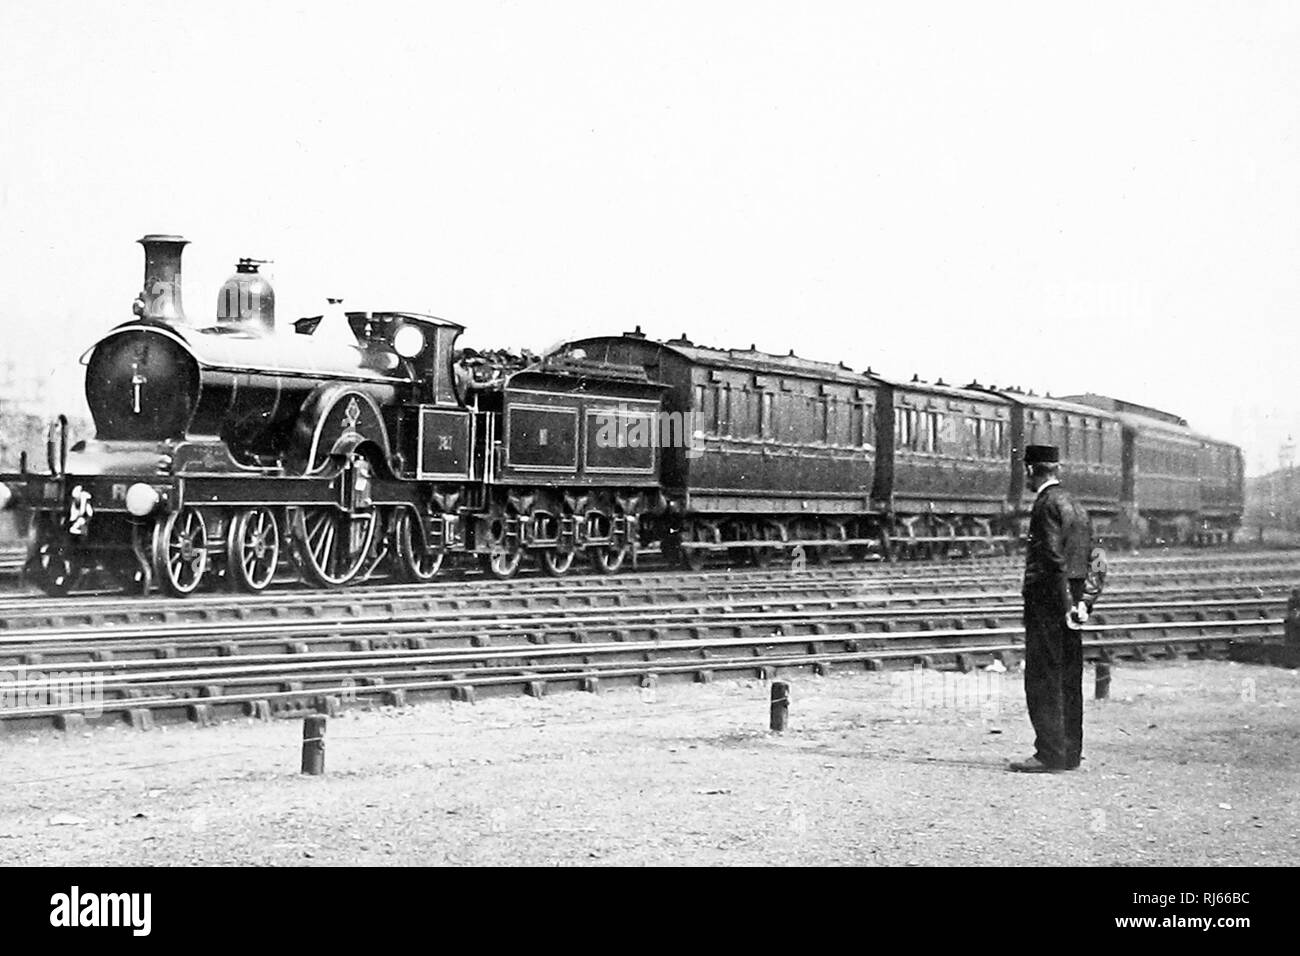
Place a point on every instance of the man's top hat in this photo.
(1036, 454)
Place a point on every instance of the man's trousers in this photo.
(1053, 678)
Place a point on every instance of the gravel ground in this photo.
(1191, 763)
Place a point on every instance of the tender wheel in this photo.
(556, 563)
(180, 551)
(414, 563)
(501, 566)
(51, 570)
(253, 551)
(608, 560)
(333, 544)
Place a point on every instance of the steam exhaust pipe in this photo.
(161, 297)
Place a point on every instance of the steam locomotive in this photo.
(234, 450)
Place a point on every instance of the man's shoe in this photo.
(1033, 765)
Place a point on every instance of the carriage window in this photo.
(765, 415)
(721, 411)
(742, 418)
(705, 408)
(930, 432)
(905, 428)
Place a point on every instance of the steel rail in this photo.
(1098, 642)
(358, 605)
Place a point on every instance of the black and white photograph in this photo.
(612, 435)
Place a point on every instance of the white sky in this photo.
(1093, 196)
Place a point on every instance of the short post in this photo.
(1291, 623)
(1102, 689)
(313, 744)
(780, 705)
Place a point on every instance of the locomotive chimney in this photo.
(161, 297)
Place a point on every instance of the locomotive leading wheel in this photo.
(503, 565)
(180, 551)
(415, 564)
(253, 550)
(51, 570)
(333, 544)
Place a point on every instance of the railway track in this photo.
(11, 562)
(585, 635)
(20, 612)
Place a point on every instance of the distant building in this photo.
(22, 390)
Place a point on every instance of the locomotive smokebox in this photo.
(247, 300)
(161, 297)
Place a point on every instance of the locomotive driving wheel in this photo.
(333, 544)
(415, 564)
(180, 551)
(253, 550)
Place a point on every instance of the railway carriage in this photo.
(1180, 487)
(1090, 444)
(1223, 484)
(756, 447)
(942, 478)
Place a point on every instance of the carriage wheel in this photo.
(501, 566)
(333, 544)
(414, 563)
(51, 569)
(253, 551)
(608, 560)
(556, 563)
(180, 551)
(818, 553)
(762, 557)
(693, 559)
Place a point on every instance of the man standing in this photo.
(1056, 565)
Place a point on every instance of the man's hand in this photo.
(1077, 616)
